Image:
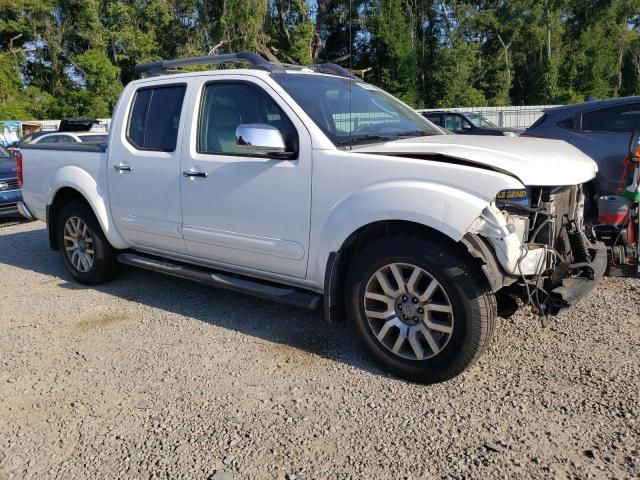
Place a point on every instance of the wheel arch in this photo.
(339, 260)
(68, 191)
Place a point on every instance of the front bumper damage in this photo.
(549, 277)
(573, 289)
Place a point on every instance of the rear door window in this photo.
(620, 119)
(155, 118)
(567, 123)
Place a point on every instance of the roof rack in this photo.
(253, 59)
(163, 66)
(334, 69)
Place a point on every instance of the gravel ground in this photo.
(154, 377)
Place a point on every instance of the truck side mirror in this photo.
(261, 139)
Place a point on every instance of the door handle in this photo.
(122, 168)
(195, 173)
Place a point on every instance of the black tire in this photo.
(105, 267)
(473, 305)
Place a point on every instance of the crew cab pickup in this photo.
(307, 186)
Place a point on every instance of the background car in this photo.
(601, 129)
(15, 146)
(10, 193)
(468, 123)
(71, 137)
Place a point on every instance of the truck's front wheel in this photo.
(86, 252)
(421, 307)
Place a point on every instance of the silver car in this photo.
(601, 129)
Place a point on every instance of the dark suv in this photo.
(9, 188)
(601, 129)
(468, 123)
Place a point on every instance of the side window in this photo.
(567, 123)
(155, 118)
(65, 139)
(456, 123)
(623, 119)
(435, 118)
(225, 106)
(51, 139)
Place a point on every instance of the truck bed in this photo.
(43, 164)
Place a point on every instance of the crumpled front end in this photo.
(544, 257)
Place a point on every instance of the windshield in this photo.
(353, 112)
(480, 121)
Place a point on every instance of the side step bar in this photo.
(286, 295)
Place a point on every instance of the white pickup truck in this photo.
(307, 186)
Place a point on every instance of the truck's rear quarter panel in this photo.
(48, 168)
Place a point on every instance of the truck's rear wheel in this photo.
(422, 309)
(86, 252)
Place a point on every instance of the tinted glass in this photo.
(65, 139)
(567, 123)
(138, 118)
(435, 118)
(155, 118)
(227, 105)
(349, 112)
(4, 153)
(624, 118)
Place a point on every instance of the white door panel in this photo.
(249, 211)
(144, 185)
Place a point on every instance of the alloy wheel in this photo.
(408, 311)
(78, 244)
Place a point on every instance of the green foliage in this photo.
(72, 57)
(393, 49)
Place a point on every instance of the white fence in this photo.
(511, 116)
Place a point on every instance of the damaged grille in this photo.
(557, 207)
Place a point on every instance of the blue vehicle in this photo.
(600, 129)
(10, 193)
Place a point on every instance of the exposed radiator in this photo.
(563, 204)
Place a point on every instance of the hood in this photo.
(506, 129)
(534, 161)
(7, 167)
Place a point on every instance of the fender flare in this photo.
(82, 182)
(446, 209)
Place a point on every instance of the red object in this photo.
(18, 156)
(613, 219)
(631, 231)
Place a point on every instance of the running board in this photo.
(286, 295)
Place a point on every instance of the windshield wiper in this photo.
(364, 139)
(414, 133)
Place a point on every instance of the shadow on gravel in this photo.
(258, 318)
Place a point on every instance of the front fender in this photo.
(447, 209)
(80, 180)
